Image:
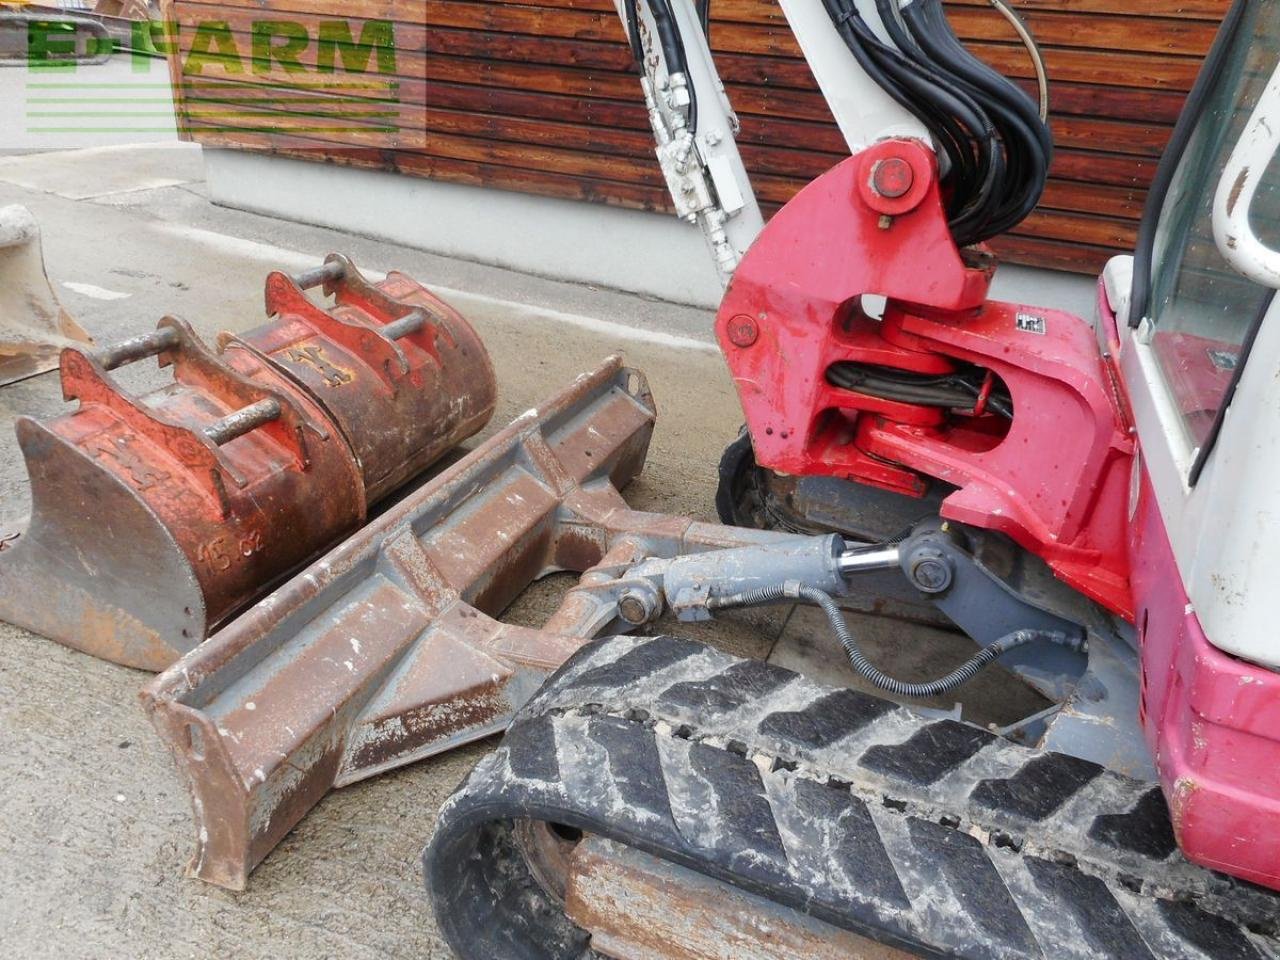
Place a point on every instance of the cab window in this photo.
(1201, 310)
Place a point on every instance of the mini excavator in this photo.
(1091, 502)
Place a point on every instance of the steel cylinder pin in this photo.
(240, 422)
(138, 348)
(409, 323)
(333, 270)
(866, 560)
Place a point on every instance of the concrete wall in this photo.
(651, 254)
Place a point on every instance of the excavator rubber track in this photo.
(929, 835)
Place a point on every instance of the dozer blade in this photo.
(384, 651)
(156, 518)
(387, 650)
(34, 327)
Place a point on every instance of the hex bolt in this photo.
(743, 331)
(930, 570)
(634, 608)
(892, 178)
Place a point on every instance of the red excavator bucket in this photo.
(156, 518)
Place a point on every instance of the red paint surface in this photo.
(1055, 479)
(1212, 721)
(1199, 384)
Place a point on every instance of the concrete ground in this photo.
(94, 825)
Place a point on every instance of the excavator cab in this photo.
(1200, 283)
(1197, 330)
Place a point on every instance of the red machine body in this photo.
(1054, 477)
(1212, 721)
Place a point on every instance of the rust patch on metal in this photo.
(638, 907)
(1184, 791)
(1236, 189)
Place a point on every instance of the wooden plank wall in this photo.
(539, 96)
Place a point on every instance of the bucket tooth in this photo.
(34, 327)
(157, 518)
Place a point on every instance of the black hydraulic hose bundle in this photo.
(858, 660)
(673, 50)
(1028, 142)
(995, 146)
(961, 390)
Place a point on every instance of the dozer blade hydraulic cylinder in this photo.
(157, 517)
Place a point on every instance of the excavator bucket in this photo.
(34, 327)
(156, 518)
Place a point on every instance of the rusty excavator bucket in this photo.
(156, 518)
(34, 327)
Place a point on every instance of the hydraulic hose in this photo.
(865, 668)
(994, 144)
(959, 390)
(1033, 51)
(1024, 135)
(672, 44)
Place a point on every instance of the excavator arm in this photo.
(886, 72)
(696, 129)
(694, 125)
